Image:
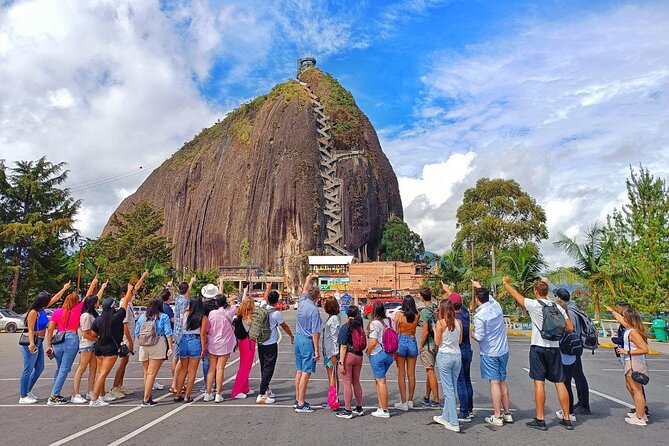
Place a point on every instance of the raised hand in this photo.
(506, 280)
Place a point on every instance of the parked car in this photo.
(281, 305)
(139, 311)
(294, 306)
(11, 321)
(367, 309)
(392, 308)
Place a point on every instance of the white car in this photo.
(295, 305)
(10, 321)
(392, 308)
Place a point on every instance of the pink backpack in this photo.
(390, 339)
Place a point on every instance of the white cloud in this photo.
(563, 107)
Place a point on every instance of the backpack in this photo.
(553, 326)
(391, 339)
(434, 317)
(148, 335)
(571, 344)
(240, 331)
(589, 335)
(358, 339)
(260, 329)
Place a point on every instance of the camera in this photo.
(617, 342)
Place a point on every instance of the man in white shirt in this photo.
(545, 360)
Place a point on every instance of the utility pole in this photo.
(494, 285)
(81, 258)
(473, 303)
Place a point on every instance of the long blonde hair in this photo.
(246, 309)
(633, 319)
(447, 313)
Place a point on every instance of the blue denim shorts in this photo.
(87, 349)
(380, 363)
(304, 354)
(190, 346)
(407, 346)
(493, 368)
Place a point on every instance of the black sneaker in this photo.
(149, 403)
(538, 424)
(580, 410)
(348, 414)
(566, 424)
(56, 400)
(358, 411)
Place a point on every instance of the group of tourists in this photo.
(208, 328)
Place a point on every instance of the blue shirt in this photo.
(168, 311)
(180, 306)
(489, 329)
(275, 319)
(463, 316)
(308, 317)
(163, 326)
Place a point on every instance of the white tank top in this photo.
(450, 340)
(629, 345)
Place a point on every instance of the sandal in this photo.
(172, 390)
(188, 400)
(178, 399)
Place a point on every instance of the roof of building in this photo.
(330, 260)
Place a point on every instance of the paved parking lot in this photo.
(244, 422)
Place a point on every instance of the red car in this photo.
(391, 302)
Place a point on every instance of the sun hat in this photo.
(209, 291)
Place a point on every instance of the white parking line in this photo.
(603, 395)
(621, 369)
(117, 417)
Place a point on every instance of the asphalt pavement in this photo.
(244, 422)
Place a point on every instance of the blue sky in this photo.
(562, 96)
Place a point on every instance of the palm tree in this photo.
(590, 265)
(452, 267)
(523, 264)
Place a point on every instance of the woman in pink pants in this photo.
(247, 348)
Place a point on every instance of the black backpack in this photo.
(553, 326)
(589, 333)
(240, 331)
(571, 344)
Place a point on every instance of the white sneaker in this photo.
(410, 404)
(33, 396)
(635, 421)
(208, 397)
(89, 396)
(117, 393)
(559, 414)
(240, 396)
(380, 413)
(264, 399)
(108, 398)
(439, 419)
(98, 403)
(78, 399)
(508, 418)
(402, 406)
(270, 393)
(494, 421)
(158, 386)
(219, 398)
(27, 400)
(633, 415)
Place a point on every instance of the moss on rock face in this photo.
(345, 116)
(287, 91)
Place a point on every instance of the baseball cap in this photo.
(562, 293)
(455, 298)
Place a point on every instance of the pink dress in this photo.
(220, 333)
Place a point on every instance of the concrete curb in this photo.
(601, 344)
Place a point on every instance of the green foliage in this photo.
(245, 252)
(132, 247)
(497, 213)
(399, 243)
(452, 268)
(590, 262)
(524, 265)
(288, 91)
(36, 228)
(638, 252)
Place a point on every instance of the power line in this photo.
(111, 178)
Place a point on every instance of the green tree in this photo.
(399, 243)
(453, 269)
(639, 252)
(36, 228)
(524, 264)
(590, 259)
(495, 214)
(131, 247)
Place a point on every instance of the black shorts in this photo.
(105, 349)
(546, 364)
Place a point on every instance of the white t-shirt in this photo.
(376, 329)
(535, 310)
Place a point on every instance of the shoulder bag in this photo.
(59, 337)
(639, 377)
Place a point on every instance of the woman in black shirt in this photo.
(109, 328)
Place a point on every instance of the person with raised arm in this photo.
(109, 330)
(545, 360)
(308, 328)
(489, 331)
(180, 307)
(33, 354)
(119, 390)
(66, 320)
(87, 346)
